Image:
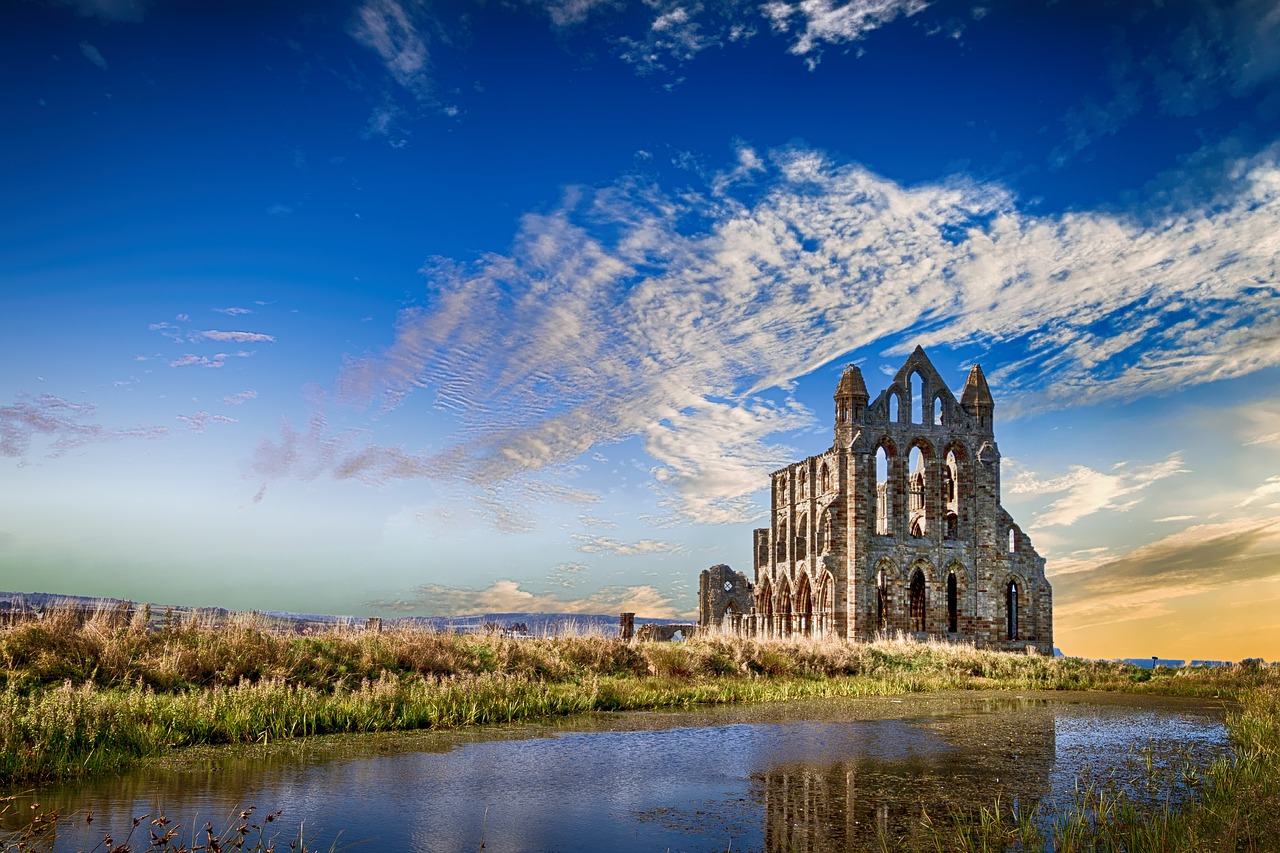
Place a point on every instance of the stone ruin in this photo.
(897, 528)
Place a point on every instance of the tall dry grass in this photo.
(81, 696)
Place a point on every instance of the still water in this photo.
(814, 775)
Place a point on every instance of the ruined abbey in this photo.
(896, 528)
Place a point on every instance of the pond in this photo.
(813, 775)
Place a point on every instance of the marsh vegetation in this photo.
(91, 696)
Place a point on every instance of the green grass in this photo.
(83, 699)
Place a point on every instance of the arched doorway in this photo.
(804, 606)
(826, 605)
(918, 604)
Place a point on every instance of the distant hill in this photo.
(533, 624)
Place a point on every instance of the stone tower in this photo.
(898, 526)
(724, 597)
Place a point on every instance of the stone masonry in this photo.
(896, 528)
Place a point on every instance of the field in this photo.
(90, 696)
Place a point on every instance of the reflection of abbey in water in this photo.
(897, 527)
(870, 804)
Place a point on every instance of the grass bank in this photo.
(87, 697)
(81, 698)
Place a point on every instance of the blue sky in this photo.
(395, 307)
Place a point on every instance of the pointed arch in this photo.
(764, 606)
(780, 542)
(826, 609)
(782, 605)
(953, 603)
(804, 605)
(956, 491)
(1011, 606)
(885, 453)
(802, 536)
(915, 395)
(920, 512)
(827, 530)
(883, 577)
(918, 602)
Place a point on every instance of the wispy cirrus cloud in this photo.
(821, 22)
(236, 337)
(388, 29)
(215, 361)
(1088, 491)
(673, 334)
(567, 575)
(69, 425)
(605, 545)
(94, 55)
(234, 311)
(240, 397)
(506, 596)
(1197, 559)
(1266, 491)
(199, 420)
(319, 452)
(1212, 53)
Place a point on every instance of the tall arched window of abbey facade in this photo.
(953, 603)
(918, 602)
(824, 477)
(893, 405)
(802, 537)
(802, 483)
(882, 491)
(780, 544)
(916, 519)
(826, 531)
(937, 411)
(882, 601)
(915, 397)
(1011, 609)
(951, 494)
(1013, 540)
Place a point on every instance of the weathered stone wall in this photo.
(649, 632)
(723, 597)
(865, 539)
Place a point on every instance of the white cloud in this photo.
(218, 359)
(1089, 491)
(819, 22)
(94, 55)
(239, 398)
(237, 337)
(198, 421)
(506, 596)
(233, 311)
(68, 424)
(1140, 583)
(573, 340)
(386, 28)
(605, 545)
(1268, 489)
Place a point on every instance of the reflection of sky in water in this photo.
(688, 781)
(1097, 741)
